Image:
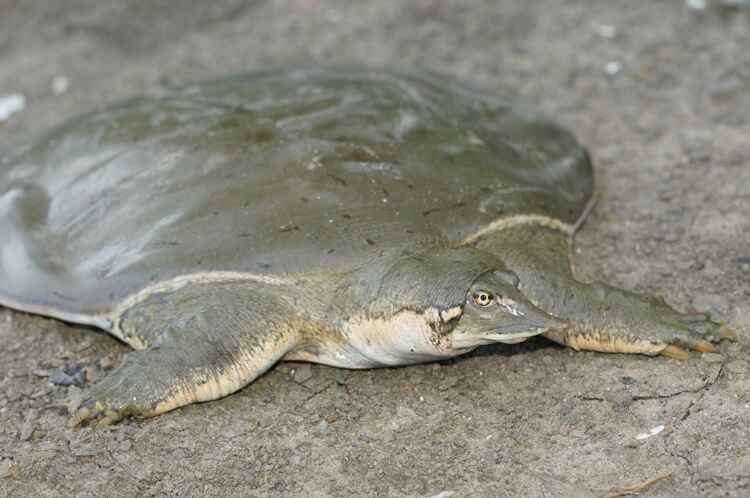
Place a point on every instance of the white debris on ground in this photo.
(696, 4)
(10, 105)
(612, 68)
(303, 373)
(606, 31)
(653, 432)
(444, 494)
(60, 85)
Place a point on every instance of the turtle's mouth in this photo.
(515, 337)
(509, 333)
(472, 340)
(521, 329)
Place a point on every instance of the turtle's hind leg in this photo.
(212, 340)
(600, 317)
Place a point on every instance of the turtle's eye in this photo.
(483, 298)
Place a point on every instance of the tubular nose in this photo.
(539, 318)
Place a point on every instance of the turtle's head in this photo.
(496, 311)
(467, 297)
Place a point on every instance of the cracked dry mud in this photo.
(658, 91)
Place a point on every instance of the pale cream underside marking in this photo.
(403, 339)
(606, 343)
(470, 339)
(391, 341)
(533, 219)
(451, 313)
(199, 278)
(246, 366)
(518, 220)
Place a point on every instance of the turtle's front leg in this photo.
(607, 319)
(600, 317)
(206, 344)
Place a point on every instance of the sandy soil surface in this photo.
(659, 91)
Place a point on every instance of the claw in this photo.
(704, 347)
(88, 413)
(727, 333)
(675, 352)
(105, 422)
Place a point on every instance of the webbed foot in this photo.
(127, 391)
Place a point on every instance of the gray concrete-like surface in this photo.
(659, 91)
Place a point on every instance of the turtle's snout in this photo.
(533, 320)
(515, 321)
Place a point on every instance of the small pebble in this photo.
(68, 376)
(60, 378)
(303, 373)
(323, 427)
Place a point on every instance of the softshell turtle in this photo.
(351, 217)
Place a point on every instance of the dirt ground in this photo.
(659, 91)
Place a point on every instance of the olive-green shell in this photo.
(291, 170)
